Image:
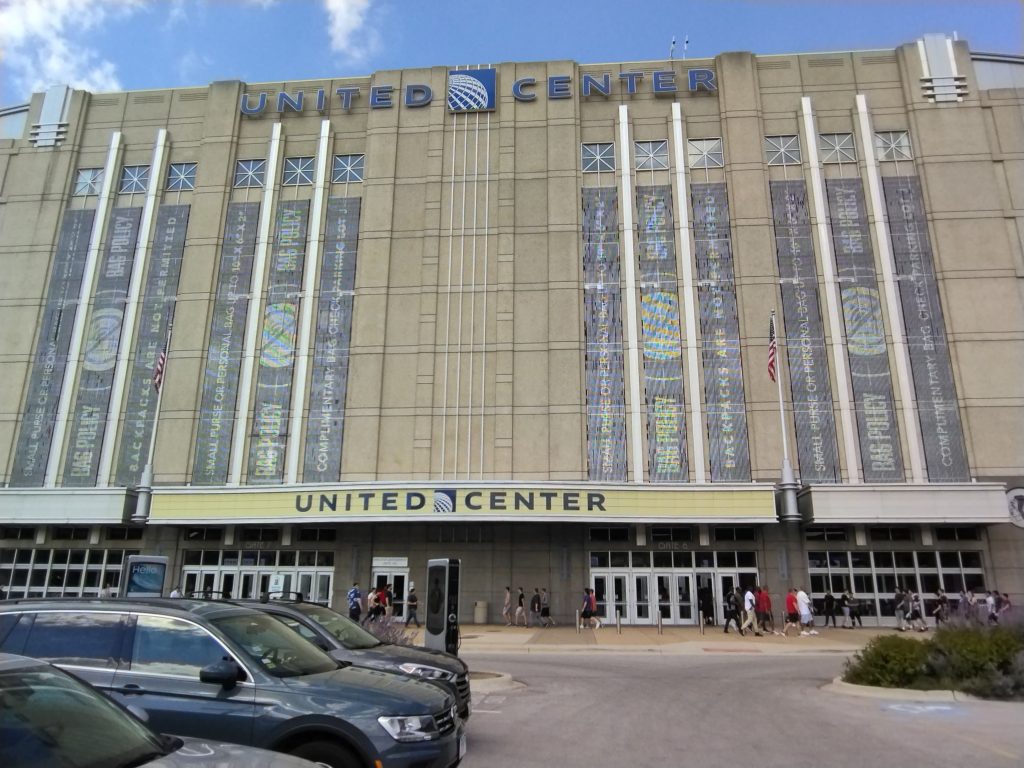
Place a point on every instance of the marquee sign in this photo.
(475, 90)
(414, 502)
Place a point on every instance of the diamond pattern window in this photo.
(87, 181)
(347, 168)
(298, 171)
(705, 153)
(250, 173)
(782, 150)
(598, 157)
(892, 145)
(651, 155)
(181, 177)
(837, 148)
(134, 178)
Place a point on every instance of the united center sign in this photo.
(475, 90)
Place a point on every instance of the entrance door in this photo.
(200, 583)
(398, 580)
(727, 582)
(642, 613)
(707, 597)
(668, 608)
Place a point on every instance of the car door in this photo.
(86, 643)
(162, 677)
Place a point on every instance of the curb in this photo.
(838, 685)
(493, 683)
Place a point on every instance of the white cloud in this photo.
(39, 43)
(345, 19)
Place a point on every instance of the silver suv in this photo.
(228, 673)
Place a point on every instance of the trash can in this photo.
(480, 612)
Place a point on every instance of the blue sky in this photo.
(133, 44)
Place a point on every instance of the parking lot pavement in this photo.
(672, 640)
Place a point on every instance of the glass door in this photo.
(667, 607)
(619, 604)
(398, 579)
(600, 585)
(641, 599)
(684, 598)
(707, 597)
(727, 582)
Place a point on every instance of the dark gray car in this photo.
(346, 641)
(48, 717)
(219, 671)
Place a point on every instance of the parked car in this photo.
(345, 640)
(215, 670)
(50, 718)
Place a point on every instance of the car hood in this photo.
(373, 688)
(387, 654)
(195, 753)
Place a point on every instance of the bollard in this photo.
(578, 625)
(618, 621)
(700, 618)
(659, 620)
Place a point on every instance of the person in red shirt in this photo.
(763, 606)
(792, 613)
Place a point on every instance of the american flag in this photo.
(773, 347)
(158, 369)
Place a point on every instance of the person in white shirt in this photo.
(750, 614)
(803, 603)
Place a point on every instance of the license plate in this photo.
(462, 746)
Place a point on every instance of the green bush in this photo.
(963, 653)
(889, 661)
(982, 661)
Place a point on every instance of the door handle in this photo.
(130, 688)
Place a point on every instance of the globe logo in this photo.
(471, 90)
(444, 502)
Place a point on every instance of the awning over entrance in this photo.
(507, 502)
(971, 503)
(42, 506)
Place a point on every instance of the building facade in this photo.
(519, 315)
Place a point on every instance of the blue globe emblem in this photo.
(444, 502)
(468, 92)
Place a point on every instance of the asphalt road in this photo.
(609, 710)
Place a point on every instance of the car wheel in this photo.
(328, 754)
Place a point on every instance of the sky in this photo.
(108, 45)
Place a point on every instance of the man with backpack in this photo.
(535, 608)
(732, 610)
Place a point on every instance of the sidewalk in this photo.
(645, 639)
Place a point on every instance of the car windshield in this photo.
(278, 650)
(49, 718)
(350, 634)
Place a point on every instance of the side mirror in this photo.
(224, 673)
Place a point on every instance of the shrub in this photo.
(962, 653)
(889, 661)
(388, 629)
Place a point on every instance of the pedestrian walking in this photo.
(763, 605)
(389, 600)
(855, 610)
(908, 610)
(792, 613)
(535, 620)
(412, 604)
(803, 604)
(941, 612)
(992, 604)
(520, 607)
(506, 610)
(917, 613)
(585, 611)
(732, 610)
(372, 605)
(355, 602)
(897, 599)
(829, 607)
(176, 592)
(750, 612)
(545, 608)
(1007, 605)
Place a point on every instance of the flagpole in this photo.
(145, 487)
(787, 484)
